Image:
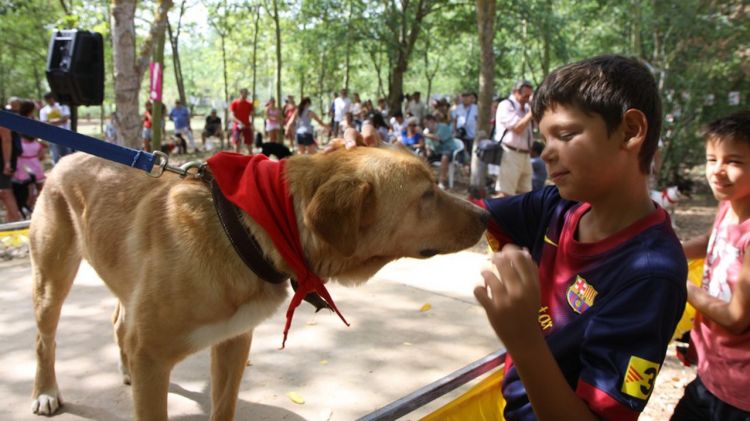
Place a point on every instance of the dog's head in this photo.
(362, 208)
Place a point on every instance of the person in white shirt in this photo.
(341, 106)
(56, 115)
(416, 107)
(466, 121)
(398, 125)
(513, 123)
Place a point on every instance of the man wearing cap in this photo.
(513, 129)
(465, 123)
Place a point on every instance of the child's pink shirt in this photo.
(724, 358)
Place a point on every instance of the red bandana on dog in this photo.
(257, 185)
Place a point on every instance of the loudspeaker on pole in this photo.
(75, 67)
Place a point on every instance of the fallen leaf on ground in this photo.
(296, 398)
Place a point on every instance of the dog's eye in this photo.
(429, 194)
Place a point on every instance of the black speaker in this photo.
(75, 67)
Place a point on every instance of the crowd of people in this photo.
(23, 174)
(433, 131)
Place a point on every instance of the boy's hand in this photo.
(511, 301)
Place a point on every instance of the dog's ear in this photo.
(338, 209)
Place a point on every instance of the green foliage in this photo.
(698, 49)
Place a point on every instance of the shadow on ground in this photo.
(342, 373)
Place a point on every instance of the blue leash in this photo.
(132, 158)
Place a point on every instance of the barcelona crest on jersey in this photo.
(581, 295)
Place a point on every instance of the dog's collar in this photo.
(247, 246)
(244, 243)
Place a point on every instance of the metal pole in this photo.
(436, 389)
(74, 117)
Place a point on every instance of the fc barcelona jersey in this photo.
(608, 309)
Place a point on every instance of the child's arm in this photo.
(695, 248)
(512, 306)
(290, 123)
(733, 316)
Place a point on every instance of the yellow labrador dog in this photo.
(159, 246)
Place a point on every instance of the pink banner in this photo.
(156, 78)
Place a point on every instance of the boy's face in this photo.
(582, 159)
(728, 169)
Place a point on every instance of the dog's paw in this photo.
(46, 403)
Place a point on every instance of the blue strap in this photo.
(120, 154)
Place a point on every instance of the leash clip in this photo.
(162, 160)
(193, 169)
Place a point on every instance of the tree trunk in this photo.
(38, 82)
(396, 87)
(429, 73)
(157, 110)
(406, 32)
(637, 46)
(278, 50)
(485, 23)
(375, 57)
(255, 51)
(174, 40)
(321, 87)
(301, 85)
(226, 83)
(176, 64)
(129, 69)
(348, 50)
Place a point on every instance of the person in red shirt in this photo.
(289, 109)
(242, 127)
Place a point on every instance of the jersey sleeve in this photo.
(518, 219)
(625, 344)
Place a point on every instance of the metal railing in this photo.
(436, 389)
(14, 226)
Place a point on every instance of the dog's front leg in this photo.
(150, 383)
(228, 360)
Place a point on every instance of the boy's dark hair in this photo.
(608, 86)
(49, 95)
(26, 108)
(735, 126)
(430, 117)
